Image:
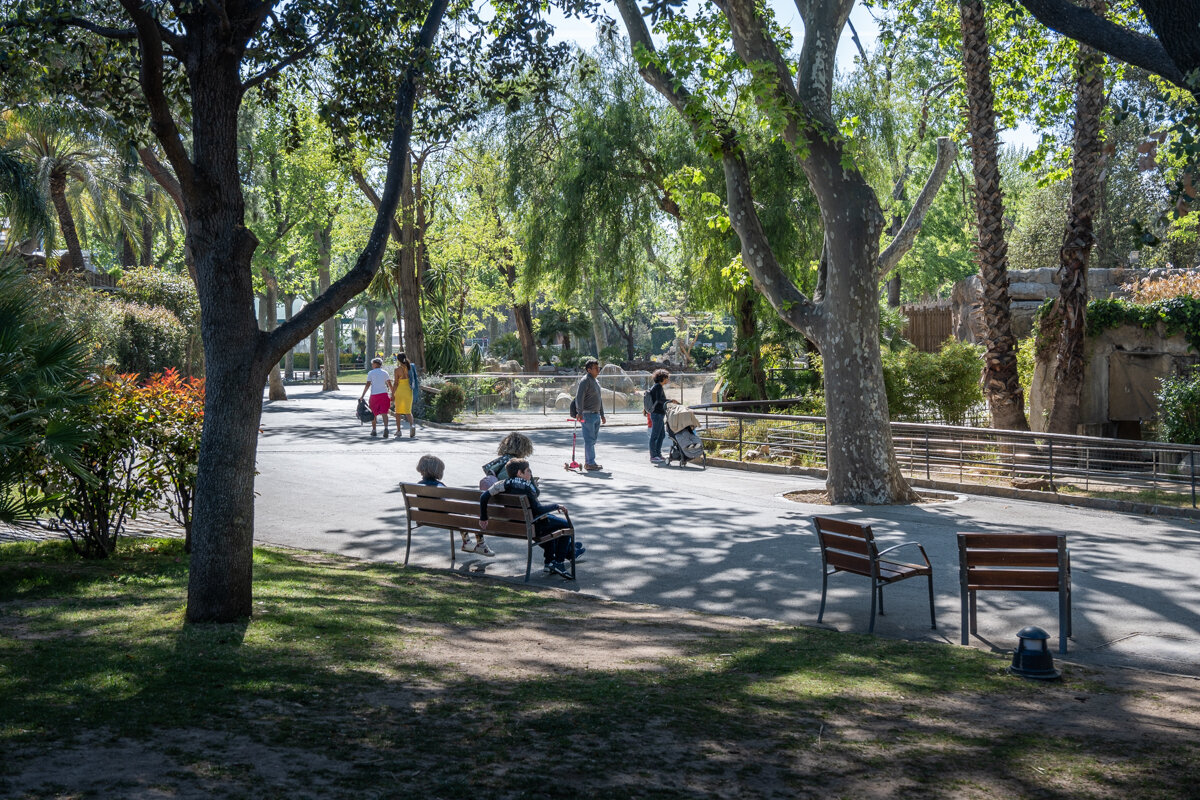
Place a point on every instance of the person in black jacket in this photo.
(557, 551)
(658, 414)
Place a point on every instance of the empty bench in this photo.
(509, 517)
(1014, 562)
(850, 547)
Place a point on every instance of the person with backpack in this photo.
(654, 404)
(381, 395)
(589, 405)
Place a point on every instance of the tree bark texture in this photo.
(148, 229)
(407, 280)
(389, 319)
(749, 343)
(1087, 164)
(844, 321)
(1001, 385)
(372, 344)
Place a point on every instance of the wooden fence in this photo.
(929, 324)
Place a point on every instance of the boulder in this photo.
(614, 378)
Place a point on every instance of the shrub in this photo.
(173, 410)
(1179, 409)
(156, 287)
(43, 364)
(945, 383)
(449, 402)
(1183, 284)
(300, 360)
(151, 339)
(506, 347)
(612, 354)
(96, 499)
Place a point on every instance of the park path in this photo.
(726, 541)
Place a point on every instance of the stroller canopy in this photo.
(680, 417)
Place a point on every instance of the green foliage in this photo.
(93, 503)
(506, 347)
(149, 339)
(449, 402)
(42, 368)
(1179, 409)
(612, 354)
(156, 287)
(1176, 314)
(945, 383)
(173, 414)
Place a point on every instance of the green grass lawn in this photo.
(356, 679)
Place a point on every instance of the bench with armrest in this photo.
(850, 547)
(509, 516)
(1014, 562)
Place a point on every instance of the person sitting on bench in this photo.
(557, 551)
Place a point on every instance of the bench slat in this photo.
(1013, 579)
(1011, 541)
(851, 544)
(469, 523)
(848, 562)
(467, 508)
(1012, 558)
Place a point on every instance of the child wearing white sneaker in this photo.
(431, 469)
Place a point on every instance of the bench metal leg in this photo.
(571, 544)
(874, 592)
(966, 616)
(528, 558)
(882, 613)
(453, 552)
(932, 619)
(824, 585)
(408, 546)
(1064, 622)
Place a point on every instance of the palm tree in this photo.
(21, 202)
(71, 152)
(1001, 385)
(42, 370)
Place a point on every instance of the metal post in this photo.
(543, 401)
(1050, 458)
(1192, 459)
(927, 455)
(739, 439)
(960, 461)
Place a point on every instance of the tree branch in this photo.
(276, 68)
(327, 304)
(162, 123)
(1129, 46)
(369, 191)
(889, 258)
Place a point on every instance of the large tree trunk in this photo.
(749, 343)
(407, 280)
(1001, 384)
(270, 319)
(1087, 164)
(329, 381)
(66, 220)
(389, 319)
(313, 343)
(529, 352)
(372, 344)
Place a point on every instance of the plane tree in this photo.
(842, 315)
(187, 66)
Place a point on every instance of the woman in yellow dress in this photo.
(404, 383)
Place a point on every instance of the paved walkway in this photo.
(726, 541)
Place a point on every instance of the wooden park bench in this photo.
(850, 547)
(509, 516)
(1014, 562)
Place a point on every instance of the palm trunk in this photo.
(1087, 163)
(410, 289)
(1001, 385)
(66, 220)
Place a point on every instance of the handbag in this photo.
(363, 412)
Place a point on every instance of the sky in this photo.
(582, 33)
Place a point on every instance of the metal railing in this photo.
(1148, 472)
(499, 392)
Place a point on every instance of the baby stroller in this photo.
(681, 425)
